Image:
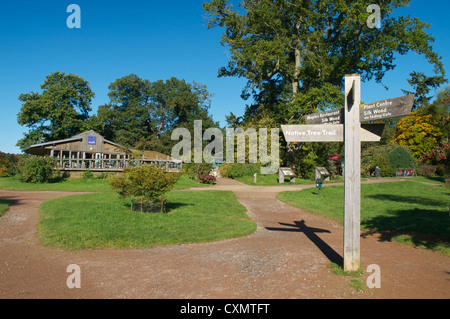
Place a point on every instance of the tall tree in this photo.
(143, 113)
(61, 110)
(309, 46)
(422, 86)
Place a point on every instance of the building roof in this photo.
(74, 138)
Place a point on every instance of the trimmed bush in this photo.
(401, 158)
(238, 170)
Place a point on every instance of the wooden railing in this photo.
(111, 164)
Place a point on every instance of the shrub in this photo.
(35, 169)
(193, 170)
(87, 174)
(307, 166)
(383, 162)
(147, 184)
(207, 179)
(238, 170)
(427, 170)
(401, 158)
(103, 175)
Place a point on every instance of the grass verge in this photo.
(103, 220)
(4, 206)
(407, 212)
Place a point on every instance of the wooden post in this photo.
(352, 173)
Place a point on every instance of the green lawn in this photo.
(184, 182)
(4, 205)
(272, 180)
(78, 185)
(409, 212)
(103, 220)
(63, 184)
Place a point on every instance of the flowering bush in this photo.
(206, 178)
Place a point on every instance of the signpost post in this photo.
(344, 125)
(352, 176)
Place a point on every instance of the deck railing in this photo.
(111, 164)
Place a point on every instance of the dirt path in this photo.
(286, 258)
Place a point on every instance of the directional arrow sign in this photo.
(327, 117)
(329, 133)
(384, 109)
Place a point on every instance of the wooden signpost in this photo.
(344, 125)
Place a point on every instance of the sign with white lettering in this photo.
(313, 133)
(384, 109)
(329, 133)
(328, 117)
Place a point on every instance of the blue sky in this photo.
(153, 39)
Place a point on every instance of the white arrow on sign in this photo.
(329, 133)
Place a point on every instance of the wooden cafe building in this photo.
(89, 150)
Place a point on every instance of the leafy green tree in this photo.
(296, 53)
(142, 113)
(60, 111)
(422, 86)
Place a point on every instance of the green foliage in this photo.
(147, 184)
(143, 114)
(301, 51)
(87, 174)
(59, 112)
(193, 170)
(8, 164)
(385, 166)
(307, 165)
(401, 158)
(36, 169)
(422, 86)
(235, 170)
(374, 156)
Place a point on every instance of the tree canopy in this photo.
(304, 48)
(58, 112)
(143, 113)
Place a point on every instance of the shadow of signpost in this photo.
(300, 226)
